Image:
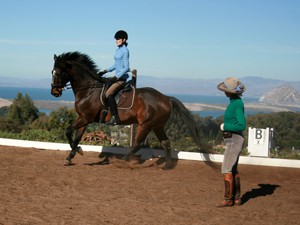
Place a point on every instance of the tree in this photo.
(4, 111)
(21, 113)
(59, 121)
(286, 127)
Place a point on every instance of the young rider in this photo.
(121, 68)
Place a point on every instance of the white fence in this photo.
(148, 153)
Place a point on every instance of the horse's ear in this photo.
(55, 57)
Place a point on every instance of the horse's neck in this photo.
(78, 85)
(82, 78)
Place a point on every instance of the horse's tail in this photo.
(179, 108)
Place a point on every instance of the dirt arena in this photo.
(38, 188)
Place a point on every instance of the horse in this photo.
(150, 109)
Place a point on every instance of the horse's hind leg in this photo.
(165, 144)
(141, 135)
(167, 147)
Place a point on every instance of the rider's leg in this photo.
(113, 110)
(111, 92)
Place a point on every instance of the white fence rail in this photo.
(148, 153)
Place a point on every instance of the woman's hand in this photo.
(102, 72)
(222, 127)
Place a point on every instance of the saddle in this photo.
(124, 98)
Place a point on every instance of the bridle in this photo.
(61, 81)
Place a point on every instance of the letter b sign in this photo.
(258, 139)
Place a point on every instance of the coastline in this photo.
(4, 102)
(53, 105)
(248, 106)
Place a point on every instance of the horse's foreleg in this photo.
(69, 133)
(74, 143)
(132, 151)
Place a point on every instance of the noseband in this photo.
(61, 80)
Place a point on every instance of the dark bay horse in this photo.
(150, 111)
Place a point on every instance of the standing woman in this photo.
(233, 127)
(121, 68)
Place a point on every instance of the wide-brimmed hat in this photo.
(232, 85)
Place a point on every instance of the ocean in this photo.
(34, 93)
(44, 94)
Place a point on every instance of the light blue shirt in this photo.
(121, 65)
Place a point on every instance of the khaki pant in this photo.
(114, 88)
(232, 152)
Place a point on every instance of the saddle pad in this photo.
(124, 100)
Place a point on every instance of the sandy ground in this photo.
(38, 188)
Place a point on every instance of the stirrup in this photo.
(113, 121)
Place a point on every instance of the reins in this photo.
(83, 62)
(93, 75)
(69, 86)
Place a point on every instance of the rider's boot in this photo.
(228, 201)
(237, 184)
(113, 110)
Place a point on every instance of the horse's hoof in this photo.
(79, 150)
(125, 158)
(102, 155)
(69, 162)
(69, 159)
(166, 168)
(104, 163)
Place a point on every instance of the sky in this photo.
(207, 39)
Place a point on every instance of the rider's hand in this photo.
(222, 127)
(102, 72)
(113, 79)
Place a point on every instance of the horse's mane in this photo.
(80, 58)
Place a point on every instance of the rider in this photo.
(118, 81)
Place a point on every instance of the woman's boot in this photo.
(113, 110)
(237, 184)
(228, 181)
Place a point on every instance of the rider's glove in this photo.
(222, 127)
(102, 72)
(113, 79)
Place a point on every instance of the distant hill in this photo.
(256, 86)
(17, 82)
(283, 95)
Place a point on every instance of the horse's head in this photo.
(60, 76)
(76, 68)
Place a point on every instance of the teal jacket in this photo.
(234, 118)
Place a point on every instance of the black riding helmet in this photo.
(121, 34)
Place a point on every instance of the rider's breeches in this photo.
(114, 88)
